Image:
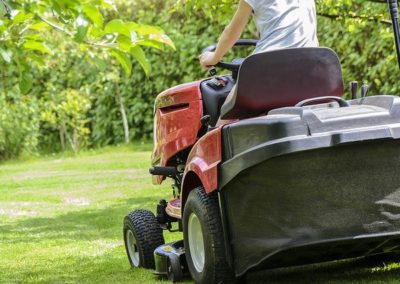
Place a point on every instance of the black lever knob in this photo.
(213, 72)
(354, 89)
(205, 120)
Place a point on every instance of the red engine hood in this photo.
(176, 122)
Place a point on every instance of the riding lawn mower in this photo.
(284, 172)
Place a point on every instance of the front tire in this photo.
(203, 239)
(142, 235)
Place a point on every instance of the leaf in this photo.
(2, 11)
(163, 38)
(37, 59)
(93, 13)
(96, 32)
(39, 26)
(35, 37)
(117, 26)
(140, 56)
(100, 63)
(37, 45)
(155, 34)
(25, 83)
(124, 43)
(6, 54)
(108, 4)
(80, 34)
(22, 17)
(151, 43)
(123, 59)
(146, 30)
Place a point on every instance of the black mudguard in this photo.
(325, 195)
(315, 206)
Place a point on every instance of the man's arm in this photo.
(229, 36)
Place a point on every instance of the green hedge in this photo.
(366, 50)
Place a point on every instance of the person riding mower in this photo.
(294, 174)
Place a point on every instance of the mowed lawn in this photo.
(61, 222)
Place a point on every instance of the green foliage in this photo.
(359, 31)
(189, 33)
(19, 125)
(66, 112)
(53, 50)
(24, 37)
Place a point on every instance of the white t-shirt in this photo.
(285, 23)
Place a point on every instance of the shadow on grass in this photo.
(106, 223)
(112, 267)
(360, 270)
(86, 224)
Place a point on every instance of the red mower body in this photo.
(177, 123)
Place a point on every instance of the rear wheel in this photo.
(203, 239)
(142, 235)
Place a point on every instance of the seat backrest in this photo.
(283, 78)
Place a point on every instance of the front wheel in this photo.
(142, 235)
(203, 239)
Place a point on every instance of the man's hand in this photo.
(208, 59)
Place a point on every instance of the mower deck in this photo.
(329, 250)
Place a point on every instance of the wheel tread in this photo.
(148, 232)
(222, 273)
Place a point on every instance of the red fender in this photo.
(202, 164)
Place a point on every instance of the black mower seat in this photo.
(283, 78)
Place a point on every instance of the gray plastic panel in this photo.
(294, 129)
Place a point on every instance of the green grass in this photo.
(61, 222)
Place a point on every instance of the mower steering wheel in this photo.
(231, 66)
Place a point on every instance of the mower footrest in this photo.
(174, 208)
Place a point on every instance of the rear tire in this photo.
(203, 239)
(142, 235)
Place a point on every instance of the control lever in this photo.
(163, 171)
(205, 120)
(217, 83)
(364, 91)
(213, 72)
(354, 89)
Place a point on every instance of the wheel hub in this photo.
(196, 242)
(132, 248)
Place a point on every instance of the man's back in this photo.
(285, 23)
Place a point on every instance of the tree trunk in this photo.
(122, 110)
(62, 136)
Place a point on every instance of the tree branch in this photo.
(8, 10)
(56, 27)
(372, 19)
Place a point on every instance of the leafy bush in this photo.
(19, 124)
(66, 112)
(113, 108)
(169, 68)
